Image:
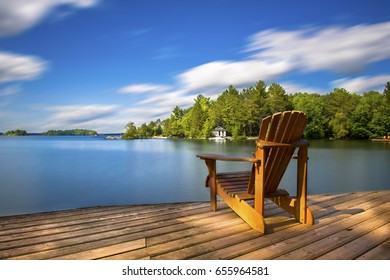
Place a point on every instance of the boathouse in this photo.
(219, 132)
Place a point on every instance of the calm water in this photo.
(40, 173)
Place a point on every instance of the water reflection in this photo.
(51, 173)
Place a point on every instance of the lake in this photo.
(39, 173)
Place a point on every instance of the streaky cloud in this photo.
(339, 49)
(143, 88)
(363, 83)
(16, 67)
(77, 115)
(17, 16)
(237, 73)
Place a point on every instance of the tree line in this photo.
(68, 132)
(338, 114)
(71, 132)
(17, 132)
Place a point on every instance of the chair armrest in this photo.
(227, 158)
(262, 144)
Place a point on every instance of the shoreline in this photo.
(381, 140)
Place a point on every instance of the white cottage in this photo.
(219, 132)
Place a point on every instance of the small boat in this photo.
(113, 137)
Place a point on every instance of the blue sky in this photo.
(98, 64)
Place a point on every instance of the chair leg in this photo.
(303, 214)
(211, 165)
(287, 203)
(253, 218)
(298, 206)
(259, 170)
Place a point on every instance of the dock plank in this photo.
(104, 251)
(380, 252)
(341, 232)
(347, 226)
(364, 243)
(277, 244)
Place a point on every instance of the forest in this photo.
(336, 115)
(71, 132)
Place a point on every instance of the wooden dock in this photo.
(347, 226)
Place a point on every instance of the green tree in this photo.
(225, 110)
(339, 106)
(339, 125)
(196, 117)
(278, 99)
(215, 113)
(254, 107)
(173, 126)
(314, 106)
(18, 132)
(386, 93)
(232, 111)
(261, 99)
(131, 131)
(143, 131)
(155, 127)
(380, 122)
(386, 109)
(367, 117)
(385, 119)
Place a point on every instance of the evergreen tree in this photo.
(314, 106)
(339, 106)
(131, 131)
(386, 93)
(278, 100)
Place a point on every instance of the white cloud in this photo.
(78, 116)
(19, 15)
(158, 106)
(139, 115)
(339, 49)
(166, 99)
(361, 84)
(224, 73)
(142, 88)
(14, 67)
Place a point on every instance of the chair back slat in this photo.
(293, 132)
(273, 127)
(275, 159)
(264, 128)
(286, 127)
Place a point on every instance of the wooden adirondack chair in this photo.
(278, 138)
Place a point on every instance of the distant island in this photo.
(71, 132)
(18, 132)
(68, 132)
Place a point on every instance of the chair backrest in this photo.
(284, 127)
